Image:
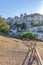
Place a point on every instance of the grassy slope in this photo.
(12, 51)
(40, 49)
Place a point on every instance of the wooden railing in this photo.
(34, 54)
(40, 62)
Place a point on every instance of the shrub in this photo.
(4, 27)
(28, 35)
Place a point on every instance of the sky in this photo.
(11, 8)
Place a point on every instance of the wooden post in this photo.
(37, 54)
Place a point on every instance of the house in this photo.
(28, 19)
(40, 29)
(33, 29)
(40, 36)
(13, 30)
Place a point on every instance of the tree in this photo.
(10, 21)
(3, 25)
(23, 26)
(21, 15)
(25, 14)
(18, 25)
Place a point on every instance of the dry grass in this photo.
(13, 51)
(40, 49)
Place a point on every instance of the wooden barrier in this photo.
(38, 57)
(33, 51)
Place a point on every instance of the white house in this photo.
(40, 29)
(13, 30)
(40, 36)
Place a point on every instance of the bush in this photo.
(23, 26)
(4, 27)
(37, 39)
(28, 35)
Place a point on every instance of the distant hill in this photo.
(34, 14)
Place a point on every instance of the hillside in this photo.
(13, 51)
